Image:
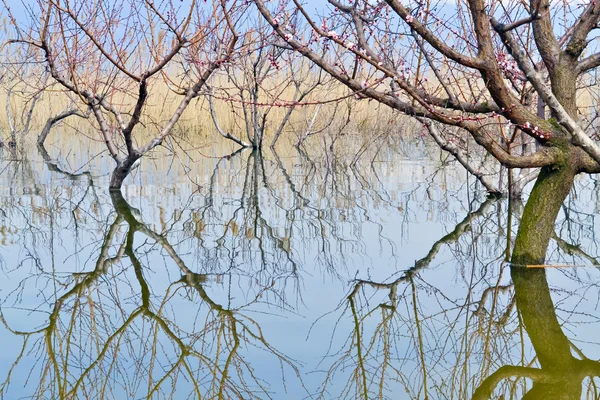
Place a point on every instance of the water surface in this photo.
(296, 274)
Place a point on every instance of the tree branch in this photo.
(588, 63)
(514, 25)
(192, 93)
(226, 135)
(579, 136)
(433, 39)
(54, 120)
(543, 33)
(588, 19)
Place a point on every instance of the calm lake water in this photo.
(314, 274)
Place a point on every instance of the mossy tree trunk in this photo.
(532, 292)
(539, 216)
(560, 374)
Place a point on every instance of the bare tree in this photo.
(479, 66)
(115, 57)
(267, 78)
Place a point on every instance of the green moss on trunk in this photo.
(531, 288)
(537, 224)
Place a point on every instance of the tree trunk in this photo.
(537, 224)
(532, 293)
(121, 172)
(560, 376)
(535, 230)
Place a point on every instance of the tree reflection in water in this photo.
(195, 300)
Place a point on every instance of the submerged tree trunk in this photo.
(532, 293)
(535, 230)
(537, 224)
(560, 374)
(121, 171)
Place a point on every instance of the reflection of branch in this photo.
(248, 218)
(53, 165)
(564, 382)
(226, 323)
(146, 310)
(574, 250)
(102, 264)
(459, 230)
(299, 200)
(486, 293)
(485, 390)
(370, 352)
(89, 329)
(560, 374)
(424, 262)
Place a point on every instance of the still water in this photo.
(313, 274)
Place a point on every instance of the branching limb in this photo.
(192, 93)
(587, 21)
(588, 63)
(579, 136)
(54, 120)
(433, 39)
(543, 33)
(226, 135)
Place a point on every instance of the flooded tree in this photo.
(116, 58)
(512, 76)
(272, 276)
(476, 66)
(314, 270)
(262, 89)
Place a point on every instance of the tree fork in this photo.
(121, 171)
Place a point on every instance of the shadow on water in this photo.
(302, 275)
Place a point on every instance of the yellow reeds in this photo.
(196, 125)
